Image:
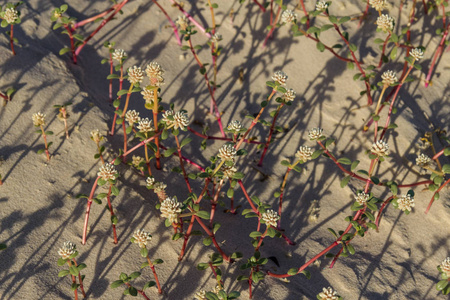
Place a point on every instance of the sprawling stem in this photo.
(186, 179)
(152, 266)
(88, 209)
(202, 29)
(155, 123)
(211, 235)
(142, 293)
(220, 138)
(11, 39)
(74, 281)
(174, 27)
(113, 126)
(80, 279)
(108, 198)
(45, 143)
(272, 23)
(272, 127)
(437, 54)
(436, 193)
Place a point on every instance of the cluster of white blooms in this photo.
(217, 289)
(216, 38)
(159, 187)
(288, 16)
(416, 53)
(132, 117)
(200, 295)
(11, 15)
(228, 171)
(135, 75)
(136, 161)
(388, 78)
(321, 6)
(145, 125)
(234, 126)
(150, 181)
(107, 172)
(362, 198)
(304, 153)
(385, 23)
(170, 209)
(175, 119)
(38, 119)
(315, 133)
(328, 294)
(67, 250)
(379, 5)
(155, 73)
(405, 202)
(280, 77)
(119, 55)
(182, 22)
(149, 96)
(423, 160)
(227, 152)
(270, 217)
(96, 136)
(380, 148)
(289, 96)
(445, 266)
(141, 238)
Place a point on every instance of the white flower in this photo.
(227, 152)
(315, 133)
(107, 172)
(38, 119)
(380, 148)
(270, 217)
(289, 96)
(96, 136)
(150, 181)
(136, 161)
(149, 96)
(288, 16)
(388, 78)
(385, 23)
(135, 75)
(445, 266)
(141, 238)
(11, 15)
(228, 171)
(405, 202)
(304, 153)
(379, 5)
(200, 295)
(362, 198)
(180, 120)
(155, 73)
(159, 187)
(119, 54)
(132, 117)
(216, 38)
(182, 21)
(328, 294)
(67, 250)
(145, 125)
(280, 77)
(170, 208)
(416, 53)
(321, 6)
(423, 160)
(234, 126)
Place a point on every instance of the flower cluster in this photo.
(141, 238)
(200, 295)
(328, 294)
(270, 217)
(228, 171)
(11, 15)
(175, 119)
(149, 96)
(182, 22)
(445, 266)
(321, 6)
(289, 96)
(280, 77)
(170, 209)
(135, 75)
(379, 5)
(227, 152)
(107, 172)
(150, 181)
(67, 250)
(38, 119)
(388, 78)
(155, 73)
(235, 126)
(96, 136)
(136, 161)
(304, 153)
(423, 160)
(145, 125)
(385, 23)
(288, 16)
(405, 202)
(380, 148)
(362, 198)
(315, 133)
(119, 55)
(416, 53)
(132, 117)
(216, 38)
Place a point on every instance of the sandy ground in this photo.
(39, 210)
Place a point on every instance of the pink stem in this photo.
(266, 146)
(174, 27)
(88, 209)
(260, 5)
(438, 53)
(200, 27)
(219, 138)
(437, 191)
(11, 39)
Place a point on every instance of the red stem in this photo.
(142, 293)
(260, 5)
(111, 70)
(384, 49)
(219, 138)
(211, 235)
(386, 202)
(186, 179)
(306, 13)
(88, 209)
(80, 279)
(11, 39)
(266, 146)
(271, 29)
(255, 210)
(366, 11)
(437, 191)
(72, 44)
(174, 27)
(200, 27)
(108, 197)
(437, 54)
(113, 126)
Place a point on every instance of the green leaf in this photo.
(113, 76)
(74, 271)
(333, 19)
(169, 152)
(313, 29)
(144, 252)
(354, 165)
(317, 153)
(442, 285)
(207, 241)
(133, 291)
(185, 142)
(63, 273)
(329, 141)
(375, 180)
(351, 249)
(446, 168)
(64, 51)
(344, 19)
(285, 163)
(320, 46)
(114, 190)
(121, 92)
(135, 275)
(345, 181)
(333, 232)
(255, 234)
(230, 193)
(148, 285)
(306, 273)
(216, 227)
(116, 284)
(203, 214)
(81, 267)
(292, 271)
(344, 161)
(394, 53)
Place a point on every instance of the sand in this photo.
(40, 211)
